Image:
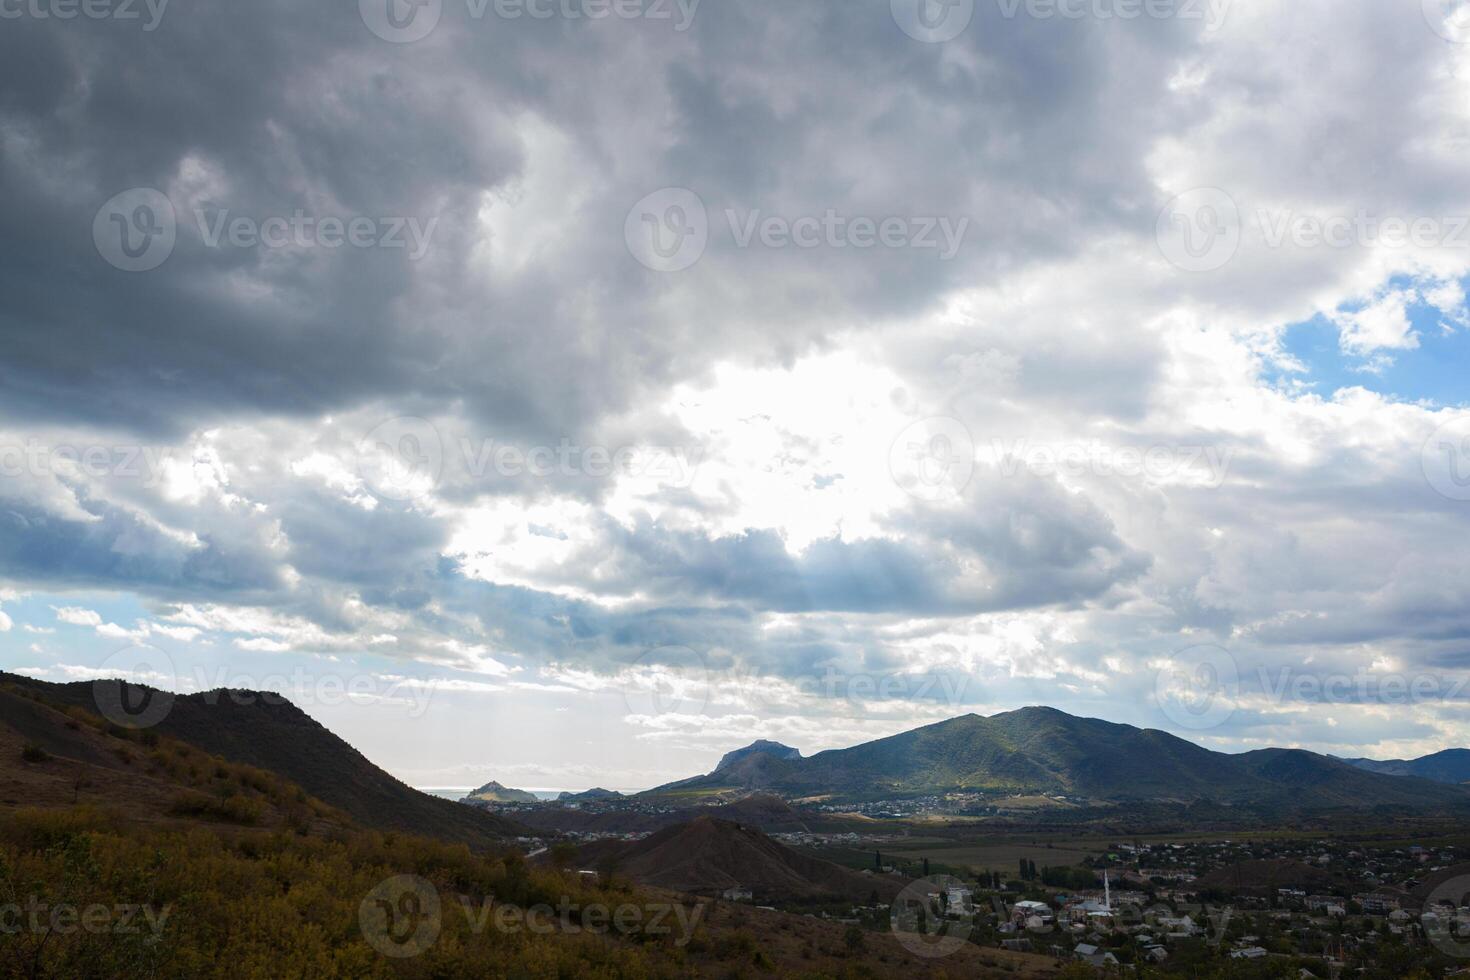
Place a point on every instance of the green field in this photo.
(967, 849)
(960, 857)
(1004, 858)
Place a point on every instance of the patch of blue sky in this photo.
(1435, 370)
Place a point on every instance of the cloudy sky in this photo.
(568, 391)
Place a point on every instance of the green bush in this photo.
(234, 808)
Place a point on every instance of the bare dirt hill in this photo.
(707, 856)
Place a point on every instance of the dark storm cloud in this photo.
(1009, 544)
(115, 548)
(526, 320)
(265, 108)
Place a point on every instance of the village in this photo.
(1321, 906)
(1175, 906)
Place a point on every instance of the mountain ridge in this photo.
(493, 792)
(759, 746)
(267, 731)
(1045, 750)
(1448, 766)
(596, 793)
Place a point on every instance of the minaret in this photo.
(1107, 892)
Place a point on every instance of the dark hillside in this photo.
(270, 733)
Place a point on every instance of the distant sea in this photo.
(460, 792)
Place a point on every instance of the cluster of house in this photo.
(1075, 929)
(1136, 918)
(588, 836)
(806, 838)
(1079, 926)
(958, 803)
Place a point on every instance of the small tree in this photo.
(563, 854)
(78, 784)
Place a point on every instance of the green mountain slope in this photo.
(493, 792)
(1048, 751)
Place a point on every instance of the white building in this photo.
(1025, 911)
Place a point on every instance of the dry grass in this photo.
(820, 947)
